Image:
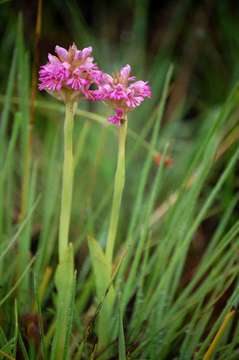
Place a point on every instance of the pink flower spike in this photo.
(122, 92)
(70, 74)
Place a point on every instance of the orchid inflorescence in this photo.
(72, 74)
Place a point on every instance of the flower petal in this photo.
(61, 53)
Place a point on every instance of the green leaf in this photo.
(104, 289)
(65, 283)
(122, 347)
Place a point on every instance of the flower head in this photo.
(122, 92)
(70, 74)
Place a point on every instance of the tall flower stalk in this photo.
(118, 190)
(68, 76)
(123, 93)
(67, 179)
(104, 323)
(65, 278)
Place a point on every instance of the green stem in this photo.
(67, 180)
(65, 277)
(118, 191)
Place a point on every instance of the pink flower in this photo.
(122, 92)
(70, 74)
(116, 119)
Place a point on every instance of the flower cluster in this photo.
(122, 93)
(70, 74)
(73, 73)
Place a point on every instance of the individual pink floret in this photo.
(70, 74)
(123, 93)
(116, 119)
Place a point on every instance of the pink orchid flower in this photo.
(123, 93)
(70, 74)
